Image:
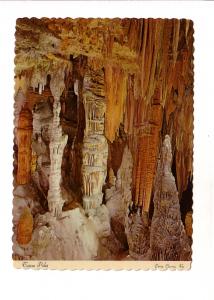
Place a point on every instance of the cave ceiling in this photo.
(148, 76)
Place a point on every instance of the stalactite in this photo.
(145, 53)
(148, 143)
(175, 39)
(39, 80)
(133, 79)
(116, 91)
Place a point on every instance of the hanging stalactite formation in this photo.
(100, 106)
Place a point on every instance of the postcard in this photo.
(103, 143)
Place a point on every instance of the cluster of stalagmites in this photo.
(39, 235)
(84, 183)
(117, 230)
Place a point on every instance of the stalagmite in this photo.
(168, 240)
(136, 232)
(94, 99)
(118, 198)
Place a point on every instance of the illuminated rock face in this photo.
(168, 239)
(24, 135)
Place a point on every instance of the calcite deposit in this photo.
(168, 238)
(103, 139)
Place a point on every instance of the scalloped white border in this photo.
(103, 265)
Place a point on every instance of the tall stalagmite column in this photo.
(24, 134)
(168, 240)
(95, 147)
(57, 144)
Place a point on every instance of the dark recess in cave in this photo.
(186, 201)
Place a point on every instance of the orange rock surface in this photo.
(24, 134)
(25, 227)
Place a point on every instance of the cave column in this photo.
(95, 147)
(57, 144)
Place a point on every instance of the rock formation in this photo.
(40, 167)
(188, 224)
(95, 147)
(148, 143)
(24, 134)
(25, 227)
(168, 239)
(95, 152)
(69, 237)
(57, 144)
(94, 99)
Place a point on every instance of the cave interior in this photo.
(103, 139)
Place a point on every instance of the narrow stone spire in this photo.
(57, 144)
(168, 239)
